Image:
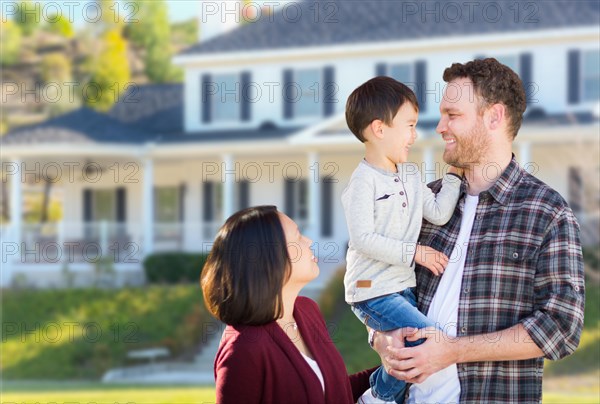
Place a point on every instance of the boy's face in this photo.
(400, 136)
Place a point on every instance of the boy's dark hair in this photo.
(247, 267)
(379, 98)
(494, 83)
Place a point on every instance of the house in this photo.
(259, 119)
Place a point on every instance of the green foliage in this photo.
(56, 68)
(28, 16)
(174, 267)
(332, 298)
(185, 33)
(110, 74)
(10, 42)
(60, 24)
(152, 32)
(81, 333)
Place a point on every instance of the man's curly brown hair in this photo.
(494, 83)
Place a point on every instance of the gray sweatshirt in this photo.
(384, 211)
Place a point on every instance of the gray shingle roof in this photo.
(346, 22)
(156, 108)
(149, 113)
(78, 127)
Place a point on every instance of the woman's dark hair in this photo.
(247, 268)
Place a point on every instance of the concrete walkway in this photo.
(200, 371)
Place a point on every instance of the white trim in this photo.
(413, 45)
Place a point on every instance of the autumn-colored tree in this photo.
(10, 42)
(110, 73)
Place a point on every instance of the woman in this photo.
(275, 348)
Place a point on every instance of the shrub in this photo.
(174, 267)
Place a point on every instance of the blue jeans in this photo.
(386, 313)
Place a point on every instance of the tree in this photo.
(152, 32)
(28, 16)
(56, 67)
(110, 73)
(10, 42)
(59, 24)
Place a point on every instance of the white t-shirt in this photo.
(315, 367)
(444, 386)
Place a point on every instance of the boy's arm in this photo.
(359, 206)
(438, 209)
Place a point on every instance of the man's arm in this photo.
(552, 330)
(439, 351)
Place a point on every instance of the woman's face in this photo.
(304, 262)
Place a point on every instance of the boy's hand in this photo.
(455, 170)
(431, 259)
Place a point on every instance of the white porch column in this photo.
(524, 153)
(314, 196)
(228, 176)
(429, 168)
(148, 206)
(16, 203)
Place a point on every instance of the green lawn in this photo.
(68, 392)
(81, 333)
(72, 392)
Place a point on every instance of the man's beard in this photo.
(469, 147)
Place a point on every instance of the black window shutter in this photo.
(182, 191)
(327, 206)
(329, 87)
(208, 198)
(290, 198)
(526, 60)
(421, 84)
(381, 69)
(206, 98)
(245, 111)
(573, 76)
(288, 107)
(121, 205)
(87, 205)
(243, 194)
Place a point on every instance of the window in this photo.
(590, 75)
(402, 72)
(296, 201)
(166, 204)
(309, 92)
(307, 84)
(212, 214)
(104, 205)
(226, 99)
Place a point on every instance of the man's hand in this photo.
(416, 364)
(431, 259)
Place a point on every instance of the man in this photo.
(513, 292)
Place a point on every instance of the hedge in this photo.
(174, 267)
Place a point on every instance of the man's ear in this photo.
(495, 116)
(375, 129)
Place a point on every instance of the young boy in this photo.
(384, 203)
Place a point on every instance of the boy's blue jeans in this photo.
(387, 313)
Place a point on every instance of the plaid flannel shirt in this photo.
(524, 265)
